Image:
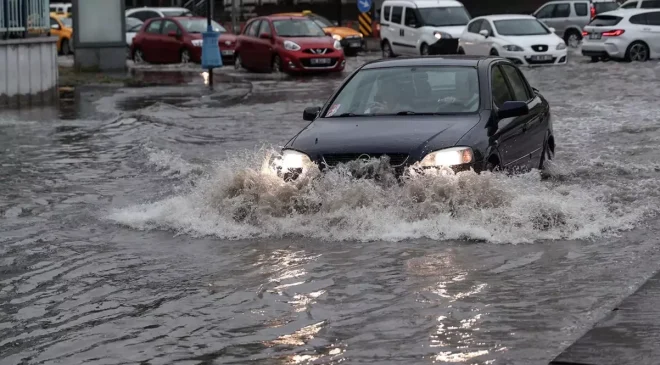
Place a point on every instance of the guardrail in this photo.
(24, 18)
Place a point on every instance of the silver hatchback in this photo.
(569, 17)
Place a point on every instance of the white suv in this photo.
(414, 27)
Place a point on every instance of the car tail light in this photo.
(593, 11)
(613, 33)
(585, 33)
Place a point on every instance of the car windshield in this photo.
(444, 17)
(425, 90)
(177, 12)
(133, 24)
(322, 22)
(67, 22)
(199, 25)
(298, 28)
(520, 27)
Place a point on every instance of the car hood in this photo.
(311, 42)
(414, 134)
(454, 31)
(527, 41)
(342, 31)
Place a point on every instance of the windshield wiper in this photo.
(408, 112)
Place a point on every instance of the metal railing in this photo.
(24, 18)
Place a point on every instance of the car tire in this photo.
(637, 51)
(138, 56)
(493, 52)
(276, 64)
(461, 50)
(572, 38)
(66, 47)
(184, 56)
(387, 50)
(492, 165)
(424, 49)
(595, 58)
(548, 154)
(238, 64)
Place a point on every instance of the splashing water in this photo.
(242, 198)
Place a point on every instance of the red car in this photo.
(178, 39)
(287, 44)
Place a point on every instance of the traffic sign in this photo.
(364, 5)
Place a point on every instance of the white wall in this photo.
(28, 71)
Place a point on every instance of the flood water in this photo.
(138, 227)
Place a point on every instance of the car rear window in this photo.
(408, 90)
(603, 7)
(605, 20)
(177, 12)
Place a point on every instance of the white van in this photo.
(421, 27)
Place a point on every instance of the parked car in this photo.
(523, 39)
(630, 34)
(350, 39)
(641, 4)
(178, 39)
(61, 8)
(427, 113)
(62, 28)
(287, 44)
(569, 17)
(414, 27)
(147, 13)
(133, 26)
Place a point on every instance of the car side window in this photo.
(581, 9)
(264, 28)
(653, 18)
(640, 19)
(475, 26)
(153, 14)
(499, 87)
(411, 18)
(154, 27)
(631, 5)
(650, 4)
(386, 13)
(54, 22)
(562, 10)
(519, 88)
(254, 27)
(485, 25)
(397, 13)
(546, 11)
(170, 26)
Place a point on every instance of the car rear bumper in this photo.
(609, 48)
(527, 58)
(444, 46)
(353, 44)
(303, 62)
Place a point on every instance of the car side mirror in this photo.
(311, 113)
(172, 34)
(484, 33)
(552, 30)
(512, 109)
(264, 36)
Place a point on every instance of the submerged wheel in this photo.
(424, 49)
(276, 66)
(185, 56)
(493, 52)
(637, 51)
(138, 56)
(237, 62)
(461, 50)
(572, 38)
(387, 50)
(66, 47)
(547, 155)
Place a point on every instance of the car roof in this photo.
(506, 16)
(159, 9)
(429, 3)
(627, 12)
(449, 60)
(282, 16)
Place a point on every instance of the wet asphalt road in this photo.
(138, 228)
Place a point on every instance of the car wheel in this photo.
(237, 62)
(548, 155)
(277, 64)
(66, 48)
(185, 56)
(424, 49)
(461, 50)
(138, 56)
(637, 51)
(492, 166)
(595, 58)
(572, 38)
(387, 50)
(493, 52)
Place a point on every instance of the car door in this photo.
(510, 131)
(410, 27)
(385, 32)
(545, 14)
(561, 18)
(535, 126)
(397, 31)
(485, 44)
(150, 42)
(651, 31)
(247, 51)
(471, 37)
(262, 47)
(171, 46)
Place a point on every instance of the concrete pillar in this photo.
(99, 36)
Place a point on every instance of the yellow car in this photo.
(62, 28)
(351, 40)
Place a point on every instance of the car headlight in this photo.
(361, 35)
(337, 45)
(292, 159)
(561, 46)
(448, 157)
(336, 37)
(513, 48)
(291, 46)
(197, 42)
(440, 35)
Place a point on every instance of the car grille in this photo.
(308, 64)
(317, 50)
(545, 62)
(540, 47)
(352, 37)
(396, 159)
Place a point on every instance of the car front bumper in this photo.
(302, 62)
(353, 43)
(529, 58)
(612, 48)
(444, 46)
